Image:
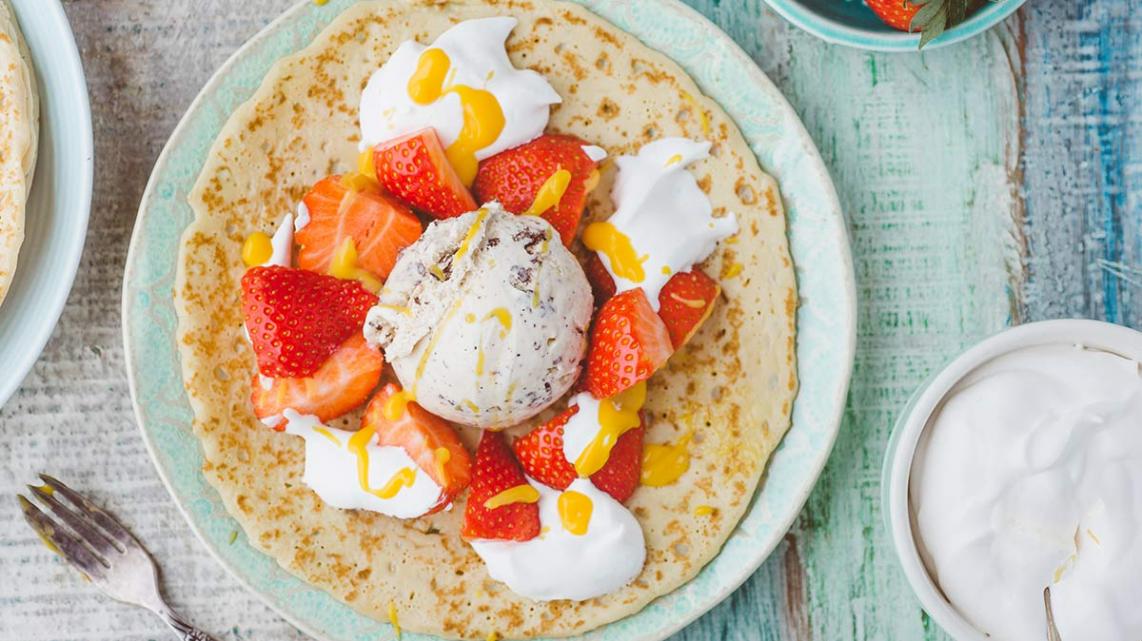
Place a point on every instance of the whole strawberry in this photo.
(558, 164)
(931, 17)
(297, 318)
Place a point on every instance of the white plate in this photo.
(60, 201)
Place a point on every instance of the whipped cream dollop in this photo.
(333, 464)
(663, 221)
(559, 564)
(478, 60)
(1029, 476)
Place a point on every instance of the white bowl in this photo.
(914, 419)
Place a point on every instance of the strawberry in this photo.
(685, 302)
(342, 384)
(496, 471)
(932, 17)
(415, 169)
(297, 318)
(628, 344)
(515, 177)
(540, 452)
(602, 284)
(428, 439)
(621, 475)
(379, 226)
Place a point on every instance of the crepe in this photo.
(733, 385)
(19, 126)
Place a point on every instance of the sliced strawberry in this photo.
(428, 439)
(515, 177)
(628, 344)
(379, 226)
(540, 452)
(342, 384)
(685, 302)
(620, 476)
(497, 471)
(297, 318)
(415, 169)
(602, 284)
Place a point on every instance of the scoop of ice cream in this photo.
(484, 319)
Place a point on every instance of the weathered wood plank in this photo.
(1083, 160)
(923, 150)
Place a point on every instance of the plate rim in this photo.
(840, 393)
(68, 54)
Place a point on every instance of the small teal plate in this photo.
(60, 201)
(826, 318)
(853, 24)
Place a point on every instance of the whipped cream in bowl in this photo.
(1019, 467)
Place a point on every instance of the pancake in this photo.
(733, 386)
(19, 127)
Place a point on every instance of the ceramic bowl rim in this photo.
(914, 419)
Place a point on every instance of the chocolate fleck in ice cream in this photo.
(485, 318)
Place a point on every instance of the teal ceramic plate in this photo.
(826, 319)
(60, 201)
(853, 24)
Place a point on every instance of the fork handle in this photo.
(183, 628)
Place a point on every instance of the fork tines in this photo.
(84, 535)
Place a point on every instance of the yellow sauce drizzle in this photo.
(466, 244)
(732, 271)
(703, 119)
(492, 636)
(393, 619)
(358, 445)
(480, 358)
(442, 456)
(356, 182)
(692, 303)
(400, 309)
(674, 160)
(469, 317)
(663, 464)
(366, 164)
(257, 249)
(475, 409)
(344, 266)
(666, 271)
(402, 479)
(483, 116)
(606, 239)
(504, 316)
(704, 510)
(436, 271)
(519, 494)
(396, 405)
(327, 434)
(575, 512)
(550, 193)
(617, 416)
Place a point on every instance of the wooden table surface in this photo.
(993, 182)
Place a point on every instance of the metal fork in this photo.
(1052, 631)
(102, 549)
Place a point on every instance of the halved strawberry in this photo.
(628, 344)
(379, 226)
(342, 384)
(428, 439)
(415, 169)
(621, 475)
(497, 471)
(297, 318)
(540, 452)
(515, 177)
(602, 284)
(685, 302)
